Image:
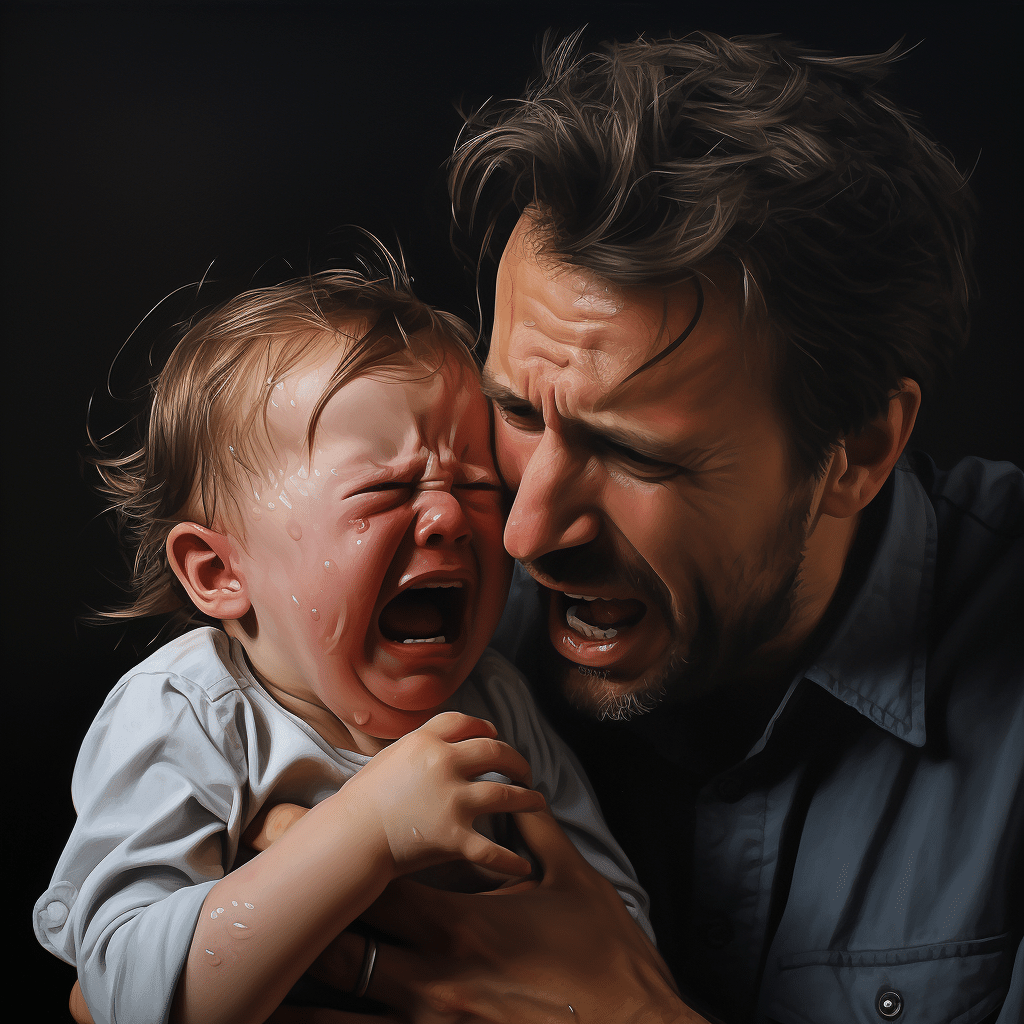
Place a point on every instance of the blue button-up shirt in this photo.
(861, 861)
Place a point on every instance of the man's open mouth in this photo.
(596, 618)
(426, 613)
(611, 632)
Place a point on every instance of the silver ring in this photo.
(366, 972)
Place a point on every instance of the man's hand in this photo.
(563, 950)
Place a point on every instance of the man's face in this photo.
(661, 513)
(375, 567)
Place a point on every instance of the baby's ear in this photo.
(201, 559)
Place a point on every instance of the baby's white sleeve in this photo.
(158, 787)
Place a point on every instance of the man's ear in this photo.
(863, 461)
(201, 559)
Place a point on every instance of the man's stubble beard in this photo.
(718, 652)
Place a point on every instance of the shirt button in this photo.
(890, 1005)
(56, 914)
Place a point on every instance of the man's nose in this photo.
(553, 507)
(440, 520)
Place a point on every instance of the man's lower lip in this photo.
(631, 644)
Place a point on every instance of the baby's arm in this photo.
(411, 807)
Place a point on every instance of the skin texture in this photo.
(734, 585)
(398, 491)
(678, 491)
(674, 491)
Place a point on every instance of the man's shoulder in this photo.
(978, 509)
(989, 495)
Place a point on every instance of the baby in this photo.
(317, 480)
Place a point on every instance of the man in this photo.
(734, 268)
(788, 656)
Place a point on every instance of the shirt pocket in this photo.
(943, 983)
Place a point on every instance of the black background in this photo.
(143, 142)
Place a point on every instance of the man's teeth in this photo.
(427, 640)
(585, 628)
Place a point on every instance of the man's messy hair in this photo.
(205, 429)
(849, 227)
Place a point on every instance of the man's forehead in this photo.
(558, 322)
(583, 339)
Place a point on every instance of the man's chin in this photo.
(607, 697)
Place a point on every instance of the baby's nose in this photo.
(441, 520)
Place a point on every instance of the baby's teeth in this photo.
(581, 597)
(440, 586)
(429, 640)
(585, 628)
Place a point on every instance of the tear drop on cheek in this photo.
(417, 835)
(294, 530)
(329, 565)
(361, 717)
(314, 614)
(361, 525)
(212, 959)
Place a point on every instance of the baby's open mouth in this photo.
(431, 613)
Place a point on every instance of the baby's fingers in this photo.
(453, 726)
(486, 797)
(480, 756)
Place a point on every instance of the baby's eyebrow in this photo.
(372, 472)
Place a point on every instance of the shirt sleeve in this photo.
(558, 775)
(158, 792)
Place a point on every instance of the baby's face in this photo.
(376, 569)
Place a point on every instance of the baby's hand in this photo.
(420, 792)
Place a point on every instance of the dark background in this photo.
(143, 142)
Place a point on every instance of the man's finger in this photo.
(408, 910)
(550, 845)
(318, 1015)
(76, 1004)
(510, 888)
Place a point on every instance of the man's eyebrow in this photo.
(617, 437)
(501, 394)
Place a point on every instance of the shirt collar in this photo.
(876, 659)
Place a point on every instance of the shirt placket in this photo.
(736, 850)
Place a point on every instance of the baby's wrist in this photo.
(361, 820)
